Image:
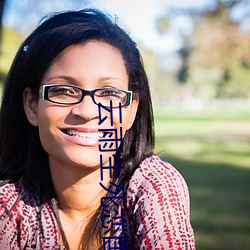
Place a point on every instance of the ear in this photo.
(30, 104)
(133, 106)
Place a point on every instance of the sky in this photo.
(138, 17)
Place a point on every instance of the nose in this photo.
(86, 109)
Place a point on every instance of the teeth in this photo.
(85, 135)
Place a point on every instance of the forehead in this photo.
(90, 59)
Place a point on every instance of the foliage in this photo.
(162, 24)
(10, 43)
(220, 44)
(159, 79)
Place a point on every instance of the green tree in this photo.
(220, 42)
(219, 45)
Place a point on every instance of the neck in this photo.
(79, 196)
(78, 190)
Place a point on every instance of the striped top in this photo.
(156, 213)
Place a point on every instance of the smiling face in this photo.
(69, 133)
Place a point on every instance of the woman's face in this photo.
(69, 133)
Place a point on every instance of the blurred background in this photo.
(197, 57)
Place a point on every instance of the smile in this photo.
(92, 135)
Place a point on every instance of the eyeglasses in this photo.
(69, 94)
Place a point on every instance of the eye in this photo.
(63, 90)
(113, 93)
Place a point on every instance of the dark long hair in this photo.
(22, 157)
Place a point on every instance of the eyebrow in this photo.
(67, 78)
(111, 78)
(120, 82)
(74, 81)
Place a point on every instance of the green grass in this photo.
(212, 152)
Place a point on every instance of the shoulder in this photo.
(157, 202)
(13, 193)
(156, 183)
(16, 200)
(21, 212)
(9, 193)
(155, 175)
(153, 165)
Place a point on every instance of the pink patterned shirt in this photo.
(156, 213)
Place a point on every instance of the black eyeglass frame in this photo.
(44, 94)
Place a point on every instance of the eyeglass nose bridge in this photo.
(88, 92)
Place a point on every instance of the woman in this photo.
(77, 85)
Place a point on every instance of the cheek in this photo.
(45, 132)
(48, 120)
